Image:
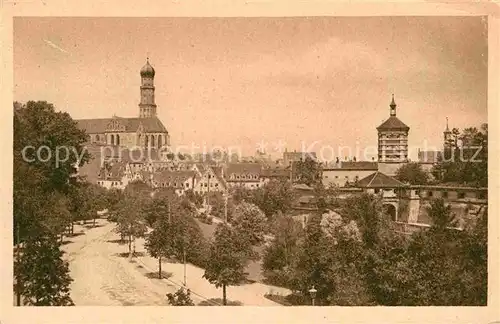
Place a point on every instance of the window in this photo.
(257, 185)
(481, 195)
(336, 177)
(417, 192)
(216, 184)
(187, 184)
(347, 177)
(445, 194)
(377, 190)
(461, 195)
(205, 185)
(429, 193)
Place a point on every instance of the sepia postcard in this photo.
(335, 158)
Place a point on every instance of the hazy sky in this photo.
(240, 81)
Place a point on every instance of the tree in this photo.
(47, 147)
(280, 254)
(467, 161)
(158, 242)
(130, 222)
(181, 297)
(412, 173)
(175, 232)
(313, 262)
(308, 171)
(227, 259)
(42, 277)
(250, 223)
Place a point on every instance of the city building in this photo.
(246, 175)
(146, 130)
(212, 179)
(347, 172)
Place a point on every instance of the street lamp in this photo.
(313, 292)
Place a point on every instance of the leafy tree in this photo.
(181, 297)
(41, 208)
(158, 242)
(467, 161)
(227, 259)
(194, 197)
(412, 173)
(440, 215)
(130, 222)
(308, 171)
(280, 254)
(313, 262)
(42, 277)
(250, 223)
(175, 232)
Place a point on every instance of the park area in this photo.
(104, 275)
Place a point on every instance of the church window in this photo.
(152, 140)
(159, 141)
(97, 138)
(112, 139)
(117, 139)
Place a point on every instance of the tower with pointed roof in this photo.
(147, 106)
(448, 141)
(393, 139)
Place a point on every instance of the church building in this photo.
(392, 143)
(144, 131)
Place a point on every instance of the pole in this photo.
(184, 252)
(225, 209)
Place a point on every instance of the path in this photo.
(103, 277)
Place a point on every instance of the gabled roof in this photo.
(173, 176)
(243, 168)
(379, 180)
(218, 171)
(99, 125)
(393, 123)
(276, 172)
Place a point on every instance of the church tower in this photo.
(447, 137)
(147, 107)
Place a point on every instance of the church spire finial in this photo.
(447, 128)
(393, 106)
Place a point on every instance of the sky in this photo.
(263, 82)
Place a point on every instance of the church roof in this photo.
(393, 123)
(379, 180)
(100, 125)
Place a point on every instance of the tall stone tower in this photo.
(147, 107)
(448, 141)
(392, 142)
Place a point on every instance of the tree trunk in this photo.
(133, 245)
(129, 243)
(224, 299)
(93, 225)
(159, 267)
